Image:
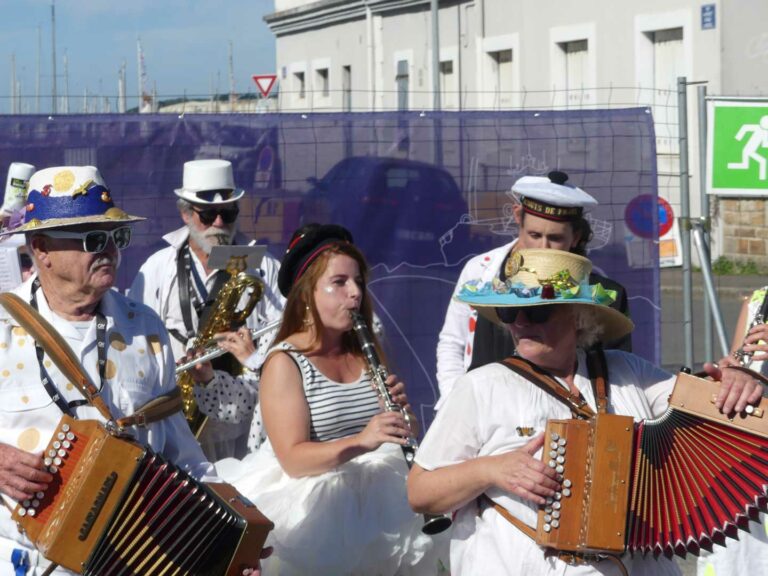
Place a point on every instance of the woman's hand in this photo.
(384, 427)
(397, 393)
(519, 473)
(201, 373)
(238, 343)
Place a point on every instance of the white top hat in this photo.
(550, 197)
(209, 182)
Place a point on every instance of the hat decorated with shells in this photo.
(69, 196)
(545, 278)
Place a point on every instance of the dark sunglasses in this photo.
(535, 314)
(96, 240)
(208, 215)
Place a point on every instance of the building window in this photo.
(501, 77)
(448, 85)
(576, 70)
(668, 63)
(401, 80)
(321, 81)
(346, 88)
(299, 86)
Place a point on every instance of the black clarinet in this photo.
(432, 524)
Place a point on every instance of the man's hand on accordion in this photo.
(737, 388)
(21, 473)
(520, 473)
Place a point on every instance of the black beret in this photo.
(305, 245)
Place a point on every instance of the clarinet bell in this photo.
(436, 524)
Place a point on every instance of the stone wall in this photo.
(745, 229)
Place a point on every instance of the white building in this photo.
(364, 55)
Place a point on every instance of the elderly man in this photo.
(480, 457)
(550, 215)
(178, 283)
(75, 233)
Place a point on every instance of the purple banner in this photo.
(421, 193)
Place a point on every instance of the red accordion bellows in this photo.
(694, 482)
(672, 485)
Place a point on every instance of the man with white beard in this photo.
(177, 282)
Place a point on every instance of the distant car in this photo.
(396, 209)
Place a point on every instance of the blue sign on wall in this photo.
(708, 17)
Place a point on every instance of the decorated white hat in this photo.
(552, 197)
(69, 196)
(209, 182)
(546, 277)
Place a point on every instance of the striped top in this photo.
(336, 410)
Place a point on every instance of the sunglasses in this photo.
(534, 314)
(208, 215)
(96, 240)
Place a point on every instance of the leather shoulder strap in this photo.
(156, 409)
(548, 384)
(597, 368)
(56, 348)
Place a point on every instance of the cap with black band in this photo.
(552, 198)
(307, 243)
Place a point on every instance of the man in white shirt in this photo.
(179, 285)
(550, 215)
(75, 233)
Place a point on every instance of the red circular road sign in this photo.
(639, 215)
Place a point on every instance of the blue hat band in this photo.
(93, 202)
(488, 294)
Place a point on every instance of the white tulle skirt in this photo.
(354, 519)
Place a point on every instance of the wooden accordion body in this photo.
(668, 486)
(115, 507)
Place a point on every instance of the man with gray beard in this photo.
(179, 285)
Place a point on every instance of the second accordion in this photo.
(672, 485)
(115, 507)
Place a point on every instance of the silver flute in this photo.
(744, 357)
(212, 350)
(433, 524)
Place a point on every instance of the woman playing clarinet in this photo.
(331, 476)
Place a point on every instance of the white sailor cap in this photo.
(551, 197)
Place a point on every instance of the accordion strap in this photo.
(156, 409)
(572, 558)
(548, 384)
(56, 348)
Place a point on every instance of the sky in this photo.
(185, 44)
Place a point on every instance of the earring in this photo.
(307, 317)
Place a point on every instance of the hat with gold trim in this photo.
(69, 196)
(551, 197)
